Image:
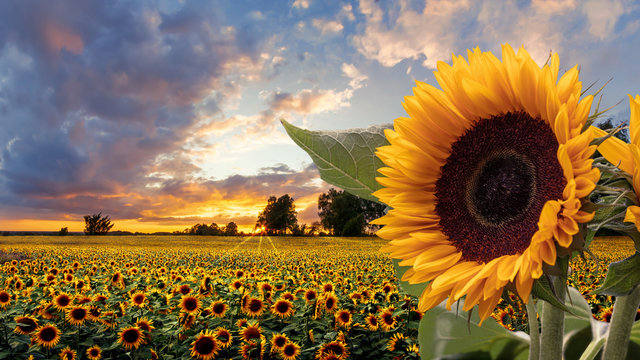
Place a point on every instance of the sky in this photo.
(163, 114)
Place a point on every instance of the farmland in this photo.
(182, 297)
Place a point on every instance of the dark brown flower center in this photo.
(494, 184)
(289, 350)
(282, 307)
(218, 308)
(280, 341)
(190, 304)
(205, 345)
(79, 313)
(47, 334)
(27, 324)
(4, 297)
(255, 305)
(131, 336)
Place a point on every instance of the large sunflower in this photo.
(486, 176)
(626, 156)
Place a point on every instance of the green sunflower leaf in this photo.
(447, 334)
(411, 289)
(622, 277)
(346, 158)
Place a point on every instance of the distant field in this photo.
(324, 295)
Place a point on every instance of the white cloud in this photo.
(413, 34)
(357, 78)
(327, 26)
(301, 4)
(603, 15)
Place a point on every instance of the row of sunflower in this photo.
(151, 302)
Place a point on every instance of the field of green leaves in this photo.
(183, 297)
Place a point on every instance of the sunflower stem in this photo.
(553, 324)
(624, 314)
(534, 332)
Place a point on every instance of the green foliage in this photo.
(622, 277)
(63, 231)
(345, 159)
(338, 208)
(279, 215)
(231, 229)
(444, 334)
(97, 224)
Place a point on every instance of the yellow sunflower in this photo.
(218, 308)
(131, 337)
(278, 341)
(626, 156)
(25, 325)
(67, 354)
(282, 308)
(205, 346)
(224, 337)
(47, 335)
(486, 176)
(290, 351)
(77, 315)
(94, 353)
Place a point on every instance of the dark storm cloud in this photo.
(91, 94)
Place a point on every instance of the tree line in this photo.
(341, 214)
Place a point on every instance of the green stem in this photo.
(553, 324)
(624, 314)
(534, 332)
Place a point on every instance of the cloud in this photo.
(101, 101)
(327, 27)
(603, 15)
(435, 29)
(301, 4)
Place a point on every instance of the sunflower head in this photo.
(219, 308)
(94, 353)
(205, 346)
(47, 335)
(67, 354)
(224, 337)
(278, 341)
(131, 338)
(290, 351)
(25, 325)
(76, 315)
(282, 308)
(190, 304)
(486, 176)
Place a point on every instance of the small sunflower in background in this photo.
(205, 346)
(224, 337)
(486, 176)
(252, 331)
(139, 299)
(131, 338)
(76, 315)
(190, 304)
(290, 351)
(67, 354)
(282, 308)
(343, 318)
(218, 308)
(47, 335)
(25, 325)
(145, 324)
(337, 348)
(278, 341)
(62, 301)
(253, 307)
(94, 353)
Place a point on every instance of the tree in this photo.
(97, 224)
(231, 229)
(278, 216)
(345, 214)
(63, 231)
(607, 125)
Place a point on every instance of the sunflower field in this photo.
(184, 297)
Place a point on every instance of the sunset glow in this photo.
(165, 115)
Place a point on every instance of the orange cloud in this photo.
(58, 37)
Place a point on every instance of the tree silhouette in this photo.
(278, 216)
(97, 224)
(231, 229)
(345, 214)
